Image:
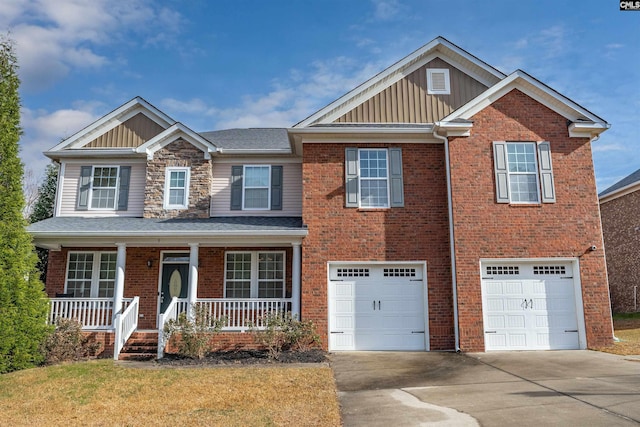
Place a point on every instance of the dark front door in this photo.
(175, 282)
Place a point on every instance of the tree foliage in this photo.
(42, 209)
(23, 306)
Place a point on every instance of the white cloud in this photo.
(601, 148)
(43, 129)
(385, 10)
(55, 37)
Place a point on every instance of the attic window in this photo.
(438, 81)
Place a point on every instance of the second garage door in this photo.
(530, 306)
(377, 307)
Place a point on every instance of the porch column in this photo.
(295, 280)
(118, 291)
(193, 278)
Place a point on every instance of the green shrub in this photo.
(67, 343)
(285, 332)
(196, 335)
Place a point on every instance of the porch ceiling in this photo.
(54, 233)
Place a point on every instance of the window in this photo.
(257, 185)
(254, 275)
(373, 178)
(523, 172)
(374, 183)
(176, 192)
(104, 186)
(91, 274)
(438, 81)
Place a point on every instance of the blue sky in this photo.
(222, 64)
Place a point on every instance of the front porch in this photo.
(97, 315)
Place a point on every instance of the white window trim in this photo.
(254, 272)
(360, 179)
(245, 187)
(536, 173)
(95, 271)
(167, 188)
(447, 81)
(115, 199)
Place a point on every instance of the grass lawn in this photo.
(101, 393)
(627, 329)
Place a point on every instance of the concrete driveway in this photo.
(550, 388)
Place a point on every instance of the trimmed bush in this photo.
(67, 343)
(286, 333)
(196, 335)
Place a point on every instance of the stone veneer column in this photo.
(179, 153)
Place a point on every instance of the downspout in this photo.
(454, 282)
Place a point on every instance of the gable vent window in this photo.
(353, 272)
(549, 269)
(503, 269)
(438, 82)
(399, 272)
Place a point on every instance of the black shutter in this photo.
(236, 188)
(84, 186)
(123, 190)
(276, 188)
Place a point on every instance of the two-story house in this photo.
(440, 205)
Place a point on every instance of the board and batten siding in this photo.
(291, 188)
(69, 200)
(132, 133)
(407, 101)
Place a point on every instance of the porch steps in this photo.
(140, 346)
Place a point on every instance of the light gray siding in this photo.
(68, 205)
(291, 189)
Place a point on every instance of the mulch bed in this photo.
(245, 357)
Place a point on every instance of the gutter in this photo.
(454, 282)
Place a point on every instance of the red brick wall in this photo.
(416, 232)
(142, 281)
(620, 221)
(486, 229)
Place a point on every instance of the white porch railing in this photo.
(243, 314)
(170, 313)
(125, 324)
(93, 313)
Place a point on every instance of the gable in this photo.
(407, 100)
(130, 134)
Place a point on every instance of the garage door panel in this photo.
(535, 310)
(377, 309)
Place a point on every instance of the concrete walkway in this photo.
(547, 388)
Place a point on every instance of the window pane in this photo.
(270, 275)
(524, 188)
(373, 193)
(176, 197)
(256, 198)
(107, 281)
(79, 274)
(256, 176)
(177, 179)
(238, 274)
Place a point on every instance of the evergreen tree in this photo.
(43, 209)
(23, 305)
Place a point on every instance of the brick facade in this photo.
(621, 231)
(417, 232)
(180, 154)
(486, 229)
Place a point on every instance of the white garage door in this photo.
(377, 307)
(530, 306)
